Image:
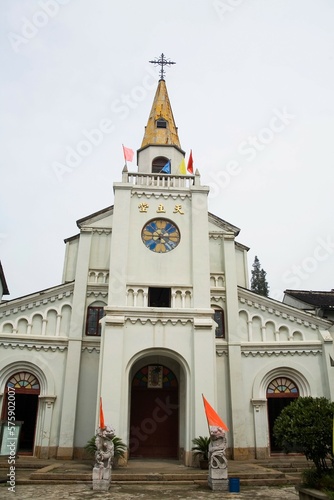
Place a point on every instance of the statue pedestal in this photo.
(101, 478)
(218, 484)
(218, 480)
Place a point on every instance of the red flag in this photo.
(128, 154)
(190, 166)
(212, 417)
(102, 425)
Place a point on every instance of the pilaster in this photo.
(238, 431)
(71, 380)
(260, 428)
(328, 368)
(200, 246)
(119, 245)
(110, 387)
(46, 407)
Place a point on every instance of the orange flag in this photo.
(212, 417)
(102, 425)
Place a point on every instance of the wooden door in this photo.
(154, 420)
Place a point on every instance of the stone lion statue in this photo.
(104, 447)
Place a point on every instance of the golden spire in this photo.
(161, 128)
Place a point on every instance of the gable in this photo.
(100, 219)
(217, 224)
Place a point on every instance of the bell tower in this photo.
(158, 311)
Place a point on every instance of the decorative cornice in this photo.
(98, 230)
(221, 350)
(157, 195)
(36, 299)
(92, 291)
(32, 347)
(218, 298)
(278, 309)
(215, 235)
(91, 348)
(200, 318)
(280, 352)
(157, 320)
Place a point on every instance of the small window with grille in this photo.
(219, 319)
(161, 123)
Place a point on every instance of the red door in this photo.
(154, 418)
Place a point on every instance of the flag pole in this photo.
(124, 156)
(207, 421)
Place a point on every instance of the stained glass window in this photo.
(141, 379)
(23, 380)
(282, 386)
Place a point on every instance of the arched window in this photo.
(158, 164)
(282, 387)
(23, 382)
(155, 376)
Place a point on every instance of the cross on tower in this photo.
(162, 62)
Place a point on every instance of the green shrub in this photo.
(306, 425)
(201, 447)
(119, 447)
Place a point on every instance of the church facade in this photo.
(153, 312)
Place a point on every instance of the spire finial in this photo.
(162, 61)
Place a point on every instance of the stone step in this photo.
(152, 476)
(247, 479)
(243, 482)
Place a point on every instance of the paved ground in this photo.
(72, 480)
(129, 492)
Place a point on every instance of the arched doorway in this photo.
(154, 415)
(280, 393)
(26, 389)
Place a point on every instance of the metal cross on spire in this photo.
(162, 61)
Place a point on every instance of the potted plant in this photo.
(201, 450)
(119, 449)
(306, 426)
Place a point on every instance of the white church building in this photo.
(154, 310)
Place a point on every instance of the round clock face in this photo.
(160, 235)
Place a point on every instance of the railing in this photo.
(159, 180)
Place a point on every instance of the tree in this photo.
(258, 281)
(306, 425)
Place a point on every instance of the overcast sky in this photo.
(252, 94)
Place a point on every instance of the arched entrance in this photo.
(26, 389)
(280, 393)
(154, 415)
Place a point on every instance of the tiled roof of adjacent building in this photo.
(314, 298)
